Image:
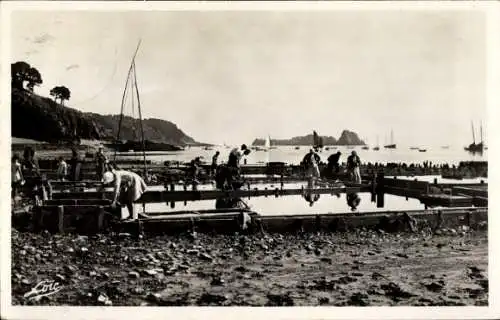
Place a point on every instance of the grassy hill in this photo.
(40, 118)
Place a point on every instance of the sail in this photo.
(267, 144)
(473, 135)
(316, 140)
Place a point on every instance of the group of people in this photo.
(311, 165)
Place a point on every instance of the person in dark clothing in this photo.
(75, 165)
(29, 164)
(333, 163)
(101, 163)
(213, 167)
(195, 169)
(310, 164)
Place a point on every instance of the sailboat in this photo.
(131, 85)
(392, 145)
(317, 141)
(377, 148)
(473, 147)
(365, 147)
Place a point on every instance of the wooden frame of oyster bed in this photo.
(90, 212)
(101, 218)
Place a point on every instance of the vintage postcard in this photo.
(298, 160)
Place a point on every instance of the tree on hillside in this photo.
(34, 78)
(22, 72)
(60, 92)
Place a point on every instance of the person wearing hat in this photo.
(353, 164)
(128, 188)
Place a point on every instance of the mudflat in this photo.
(358, 268)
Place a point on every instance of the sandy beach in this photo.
(360, 268)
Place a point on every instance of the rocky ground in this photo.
(362, 268)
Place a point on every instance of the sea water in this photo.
(289, 155)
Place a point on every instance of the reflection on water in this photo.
(326, 203)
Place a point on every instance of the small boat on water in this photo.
(365, 147)
(392, 145)
(414, 148)
(445, 147)
(297, 148)
(377, 148)
(422, 150)
(473, 147)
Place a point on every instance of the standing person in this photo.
(17, 178)
(213, 167)
(333, 163)
(101, 163)
(29, 164)
(128, 188)
(75, 165)
(311, 164)
(353, 164)
(62, 169)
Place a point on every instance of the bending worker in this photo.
(128, 188)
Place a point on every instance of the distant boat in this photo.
(414, 148)
(207, 148)
(445, 147)
(365, 147)
(327, 148)
(422, 150)
(392, 145)
(473, 147)
(297, 148)
(377, 148)
(267, 144)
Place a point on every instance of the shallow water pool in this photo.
(325, 203)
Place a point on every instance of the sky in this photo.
(234, 76)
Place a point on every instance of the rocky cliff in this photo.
(346, 138)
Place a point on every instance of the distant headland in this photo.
(347, 138)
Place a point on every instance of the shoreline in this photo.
(360, 268)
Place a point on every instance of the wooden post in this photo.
(380, 190)
(100, 218)
(318, 222)
(60, 219)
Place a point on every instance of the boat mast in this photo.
(481, 132)
(140, 119)
(123, 97)
(392, 137)
(473, 135)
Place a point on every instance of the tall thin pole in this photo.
(481, 132)
(140, 119)
(473, 135)
(124, 95)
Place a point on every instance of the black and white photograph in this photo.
(231, 155)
